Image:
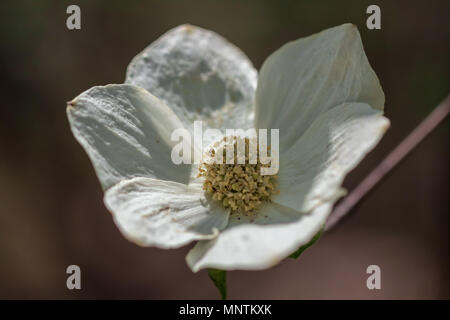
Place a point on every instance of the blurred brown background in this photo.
(51, 210)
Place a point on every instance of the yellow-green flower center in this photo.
(240, 187)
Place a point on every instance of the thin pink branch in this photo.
(393, 159)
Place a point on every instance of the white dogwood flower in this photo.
(321, 93)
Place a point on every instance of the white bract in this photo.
(320, 92)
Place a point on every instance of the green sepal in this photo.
(219, 277)
(300, 250)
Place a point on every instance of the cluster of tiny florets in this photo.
(240, 187)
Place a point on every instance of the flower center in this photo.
(239, 185)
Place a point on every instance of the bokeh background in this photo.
(51, 210)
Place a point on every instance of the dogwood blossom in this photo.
(319, 91)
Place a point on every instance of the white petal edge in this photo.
(165, 214)
(200, 75)
(257, 246)
(312, 171)
(306, 77)
(126, 133)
